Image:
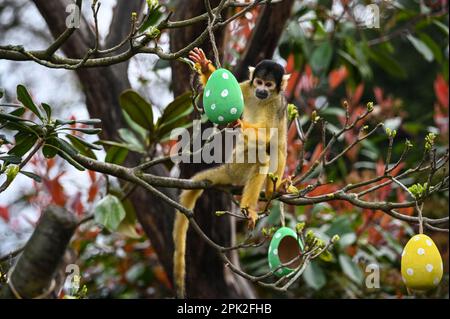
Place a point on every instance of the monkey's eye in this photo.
(259, 82)
(269, 84)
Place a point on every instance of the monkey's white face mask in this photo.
(265, 88)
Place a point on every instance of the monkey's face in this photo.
(264, 88)
(267, 79)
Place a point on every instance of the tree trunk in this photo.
(34, 272)
(264, 40)
(102, 87)
(205, 277)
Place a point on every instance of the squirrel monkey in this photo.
(265, 107)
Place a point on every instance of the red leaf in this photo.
(337, 76)
(93, 191)
(56, 190)
(77, 205)
(4, 213)
(441, 90)
(92, 176)
(358, 94)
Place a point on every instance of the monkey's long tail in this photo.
(188, 198)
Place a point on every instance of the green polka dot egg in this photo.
(223, 101)
(284, 247)
(421, 263)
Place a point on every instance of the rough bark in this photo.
(102, 87)
(264, 40)
(205, 276)
(36, 267)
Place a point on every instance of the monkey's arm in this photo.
(203, 65)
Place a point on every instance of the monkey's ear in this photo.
(284, 81)
(251, 70)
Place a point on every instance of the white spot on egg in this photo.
(208, 93)
(429, 243)
(233, 110)
(224, 93)
(213, 106)
(429, 267)
(242, 96)
(421, 251)
(220, 118)
(436, 281)
(279, 271)
(225, 76)
(416, 238)
(410, 271)
(403, 253)
(278, 235)
(275, 251)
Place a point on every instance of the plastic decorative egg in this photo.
(284, 247)
(223, 101)
(421, 263)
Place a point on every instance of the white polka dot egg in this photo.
(421, 263)
(222, 98)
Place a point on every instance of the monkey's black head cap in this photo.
(270, 71)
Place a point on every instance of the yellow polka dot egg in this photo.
(421, 263)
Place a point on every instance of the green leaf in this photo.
(109, 212)
(128, 225)
(174, 109)
(340, 226)
(421, 47)
(31, 175)
(70, 160)
(442, 26)
(389, 64)
(433, 46)
(13, 159)
(20, 149)
(161, 64)
(137, 108)
(50, 148)
(350, 269)
(167, 128)
(128, 136)
(321, 57)
(347, 240)
(314, 276)
(83, 142)
(361, 51)
(18, 112)
(11, 117)
(121, 145)
(89, 131)
(24, 97)
(66, 147)
(89, 121)
(152, 18)
(83, 147)
(48, 110)
(116, 155)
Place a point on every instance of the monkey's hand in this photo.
(203, 65)
(252, 216)
(245, 125)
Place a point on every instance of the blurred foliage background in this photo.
(399, 60)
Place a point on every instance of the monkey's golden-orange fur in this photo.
(268, 113)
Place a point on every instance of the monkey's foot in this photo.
(252, 216)
(269, 191)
